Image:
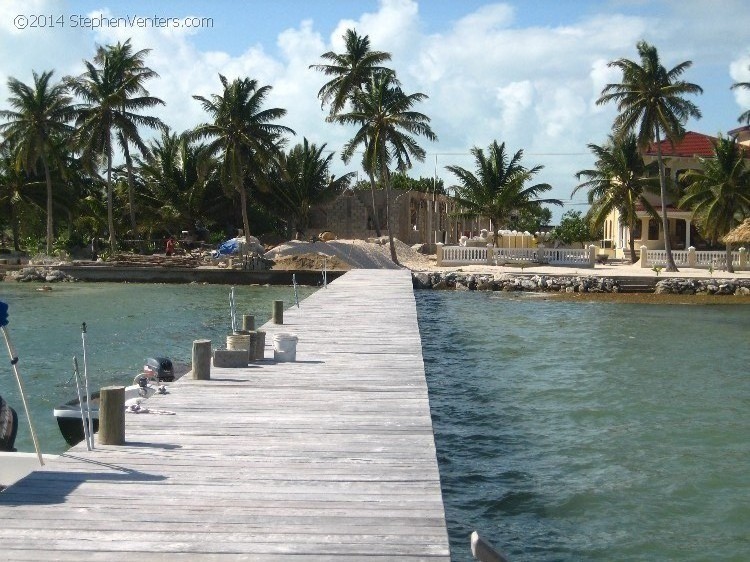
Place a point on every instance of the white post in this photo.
(490, 254)
(743, 258)
(692, 259)
(644, 257)
(439, 254)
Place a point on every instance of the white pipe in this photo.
(14, 362)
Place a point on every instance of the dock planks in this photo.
(328, 458)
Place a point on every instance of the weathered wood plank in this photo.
(330, 457)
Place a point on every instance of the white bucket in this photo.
(285, 347)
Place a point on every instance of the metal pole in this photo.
(294, 282)
(233, 310)
(14, 362)
(86, 386)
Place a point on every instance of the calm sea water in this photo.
(565, 430)
(591, 431)
(126, 323)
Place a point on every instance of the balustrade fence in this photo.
(693, 258)
(467, 255)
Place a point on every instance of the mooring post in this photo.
(201, 369)
(248, 322)
(278, 312)
(112, 415)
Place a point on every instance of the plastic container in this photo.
(285, 347)
(244, 342)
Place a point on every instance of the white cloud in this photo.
(739, 70)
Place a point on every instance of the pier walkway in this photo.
(328, 458)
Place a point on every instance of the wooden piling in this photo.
(248, 322)
(201, 369)
(278, 312)
(112, 415)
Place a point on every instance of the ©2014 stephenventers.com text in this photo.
(99, 21)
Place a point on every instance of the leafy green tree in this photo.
(498, 190)
(531, 219)
(619, 181)
(573, 228)
(300, 180)
(351, 71)
(388, 127)
(131, 71)
(242, 133)
(650, 101)
(38, 119)
(402, 182)
(719, 193)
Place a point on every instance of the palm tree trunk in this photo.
(48, 179)
(385, 177)
(243, 204)
(14, 225)
(631, 242)
(131, 205)
(110, 205)
(671, 266)
(375, 220)
(730, 267)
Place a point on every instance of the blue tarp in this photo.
(229, 247)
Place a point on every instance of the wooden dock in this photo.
(328, 458)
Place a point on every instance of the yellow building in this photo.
(678, 158)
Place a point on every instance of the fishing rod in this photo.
(77, 376)
(89, 420)
(14, 363)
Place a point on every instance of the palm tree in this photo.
(176, 175)
(107, 114)
(619, 182)
(650, 102)
(719, 193)
(498, 190)
(745, 115)
(38, 118)
(242, 132)
(387, 129)
(351, 70)
(132, 72)
(299, 181)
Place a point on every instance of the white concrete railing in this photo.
(466, 255)
(695, 259)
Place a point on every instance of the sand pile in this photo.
(357, 254)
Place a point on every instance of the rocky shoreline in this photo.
(571, 284)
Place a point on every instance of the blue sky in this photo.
(524, 72)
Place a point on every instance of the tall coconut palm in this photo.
(38, 119)
(719, 193)
(387, 129)
(300, 180)
(133, 73)
(111, 97)
(242, 133)
(650, 101)
(746, 114)
(619, 181)
(351, 70)
(498, 189)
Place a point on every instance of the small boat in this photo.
(8, 426)
(68, 415)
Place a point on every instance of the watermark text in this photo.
(78, 21)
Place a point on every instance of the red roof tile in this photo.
(692, 144)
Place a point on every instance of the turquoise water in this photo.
(590, 431)
(126, 323)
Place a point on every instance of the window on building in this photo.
(653, 229)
